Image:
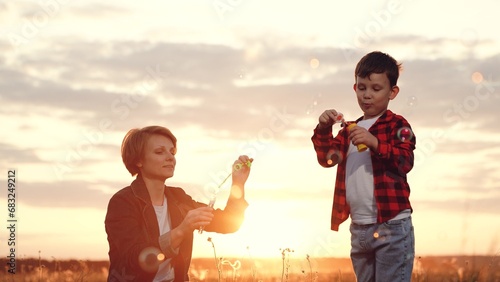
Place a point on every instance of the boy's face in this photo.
(374, 93)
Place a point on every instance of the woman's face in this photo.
(158, 161)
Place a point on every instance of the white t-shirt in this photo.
(359, 182)
(360, 186)
(165, 270)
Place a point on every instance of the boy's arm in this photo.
(324, 145)
(397, 152)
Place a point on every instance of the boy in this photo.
(371, 185)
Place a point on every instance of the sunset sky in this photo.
(243, 77)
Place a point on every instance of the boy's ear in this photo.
(394, 92)
(354, 86)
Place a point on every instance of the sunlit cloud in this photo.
(73, 84)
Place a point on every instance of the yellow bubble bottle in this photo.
(361, 147)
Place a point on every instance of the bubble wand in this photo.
(361, 147)
(330, 155)
(214, 196)
(350, 126)
(340, 118)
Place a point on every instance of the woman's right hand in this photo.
(194, 219)
(197, 217)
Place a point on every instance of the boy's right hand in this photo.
(329, 117)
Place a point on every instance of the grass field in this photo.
(284, 268)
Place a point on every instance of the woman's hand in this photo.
(241, 170)
(193, 220)
(196, 218)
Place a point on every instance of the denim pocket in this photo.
(394, 222)
(403, 225)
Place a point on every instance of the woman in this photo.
(149, 225)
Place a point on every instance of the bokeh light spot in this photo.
(477, 77)
(160, 257)
(314, 63)
(237, 193)
(376, 235)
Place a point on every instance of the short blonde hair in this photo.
(134, 142)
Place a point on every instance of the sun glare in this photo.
(270, 227)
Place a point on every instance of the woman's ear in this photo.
(394, 92)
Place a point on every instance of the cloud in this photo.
(69, 194)
(133, 83)
(233, 93)
(12, 154)
(98, 10)
(482, 205)
(92, 194)
(220, 78)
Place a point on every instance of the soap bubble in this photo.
(333, 157)
(239, 166)
(469, 37)
(242, 73)
(150, 259)
(412, 101)
(312, 107)
(405, 134)
(339, 117)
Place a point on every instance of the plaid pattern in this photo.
(391, 162)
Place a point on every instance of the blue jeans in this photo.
(383, 252)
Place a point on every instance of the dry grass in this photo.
(284, 268)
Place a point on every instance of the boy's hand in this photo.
(329, 117)
(359, 135)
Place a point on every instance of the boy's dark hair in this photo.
(378, 62)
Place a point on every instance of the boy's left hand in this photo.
(360, 135)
